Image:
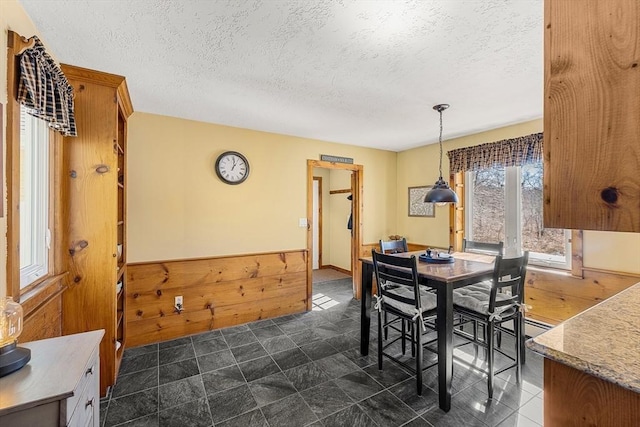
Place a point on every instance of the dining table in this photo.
(467, 268)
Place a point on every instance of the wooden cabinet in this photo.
(94, 191)
(59, 386)
(592, 115)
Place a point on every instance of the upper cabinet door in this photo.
(592, 115)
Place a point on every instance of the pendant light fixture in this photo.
(441, 193)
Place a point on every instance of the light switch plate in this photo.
(302, 222)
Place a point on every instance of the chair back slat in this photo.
(397, 271)
(508, 273)
(393, 246)
(484, 247)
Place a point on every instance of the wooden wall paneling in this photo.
(456, 212)
(574, 398)
(557, 296)
(46, 322)
(149, 276)
(592, 115)
(217, 292)
(211, 295)
(42, 308)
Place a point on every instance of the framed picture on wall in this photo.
(417, 206)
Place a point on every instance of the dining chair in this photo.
(494, 309)
(488, 248)
(483, 247)
(406, 303)
(394, 246)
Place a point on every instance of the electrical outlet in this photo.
(178, 302)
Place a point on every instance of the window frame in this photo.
(37, 131)
(513, 221)
(16, 44)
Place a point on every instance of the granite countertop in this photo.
(603, 341)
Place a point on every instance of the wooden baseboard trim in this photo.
(619, 273)
(333, 267)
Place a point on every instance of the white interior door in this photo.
(315, 221)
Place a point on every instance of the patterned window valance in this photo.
(44, 90)
(508, 152)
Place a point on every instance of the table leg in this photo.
(365, 313)
(445, 345)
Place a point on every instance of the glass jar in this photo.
(10, 321)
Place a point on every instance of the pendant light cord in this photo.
(440, 141)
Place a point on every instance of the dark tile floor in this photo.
(306, 369)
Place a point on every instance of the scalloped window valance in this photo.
(44, 90)
(508, 152)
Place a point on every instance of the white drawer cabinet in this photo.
(59, 386)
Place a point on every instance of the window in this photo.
(505, 204)
(34, 198)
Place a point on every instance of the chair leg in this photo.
(404, 334)
(413, 340)
(419, 351)
(475, 338)
(490, 344)
(523, 338)
(386, 329)
(380, 337)
(519, 332)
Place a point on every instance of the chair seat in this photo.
(483, 286)
(428, 300)
(476, 298)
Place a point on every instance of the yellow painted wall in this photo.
(340, 209)
(178, 208)
(419, 166)
(12, 17)
(612, 251)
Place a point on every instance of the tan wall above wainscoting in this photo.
(217, 292)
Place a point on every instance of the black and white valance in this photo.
(44, 90)
(508, 152)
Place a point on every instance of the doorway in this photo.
(314, 224)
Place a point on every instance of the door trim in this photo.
(320, 265)
(356, 242)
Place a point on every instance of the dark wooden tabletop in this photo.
(465, 265)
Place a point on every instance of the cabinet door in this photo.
(592, 115)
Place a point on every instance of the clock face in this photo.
(232, 167)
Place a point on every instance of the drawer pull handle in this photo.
(89, 402)
(89, 371)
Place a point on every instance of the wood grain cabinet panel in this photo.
(592, 115)
(94, 192)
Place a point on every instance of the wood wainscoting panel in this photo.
(555, 296)
(42, 308)
(217, 292)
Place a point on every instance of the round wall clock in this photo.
(232, 167)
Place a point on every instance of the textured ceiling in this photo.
(357, 72)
